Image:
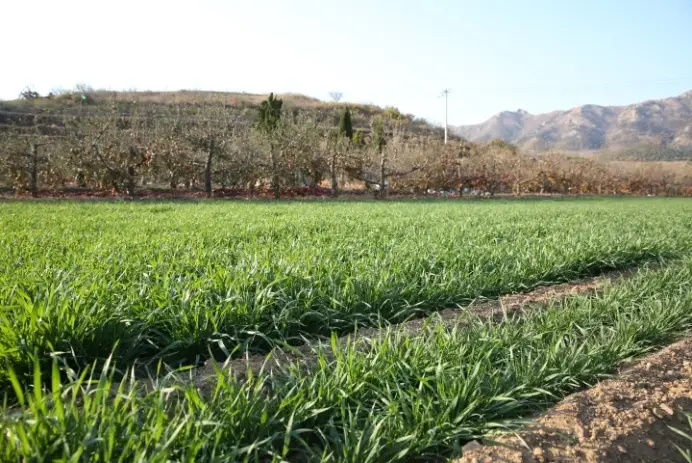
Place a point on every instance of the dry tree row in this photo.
(129, 148)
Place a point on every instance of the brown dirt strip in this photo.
(490, 310)
(625, 419)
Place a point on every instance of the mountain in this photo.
(662, 123)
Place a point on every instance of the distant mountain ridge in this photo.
(665, 122)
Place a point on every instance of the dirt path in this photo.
(625, 419)
(494, 310)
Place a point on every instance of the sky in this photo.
(495, 55)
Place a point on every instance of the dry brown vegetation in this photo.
(129, 142)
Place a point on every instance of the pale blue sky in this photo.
(539, 55)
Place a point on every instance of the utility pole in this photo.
(446, 93)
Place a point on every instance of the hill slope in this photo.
(46, 114)
(666, 122)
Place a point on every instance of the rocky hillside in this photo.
(666, 122)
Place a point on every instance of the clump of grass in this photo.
(685, 451)
(396, 398)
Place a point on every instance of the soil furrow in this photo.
(491, 310)
(624, 419)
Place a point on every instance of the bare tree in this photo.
(210, 134)
(174, 152)
(336, 96)
(387, 158)
(29, 94)
(114, 148)
(25, 158)
(339, 149)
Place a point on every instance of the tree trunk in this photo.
(34, 170)
(276, 187)
(173, 181)
(333, 173)
(207, 174)
(130, 186)
(80, 179)
(383, 175)
(544, 182)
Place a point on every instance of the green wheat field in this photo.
(97, 298)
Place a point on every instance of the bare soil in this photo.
(625, 419)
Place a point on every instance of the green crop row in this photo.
(181, 282)
(396, 398)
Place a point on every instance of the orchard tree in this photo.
(444, 167)
(114, 147)
(174, 152)
(300, 151)
(388, 158)
(209, 132)
(296, 159)
(339, 146)
(27, 160)
(240, 167)
(488, 167)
